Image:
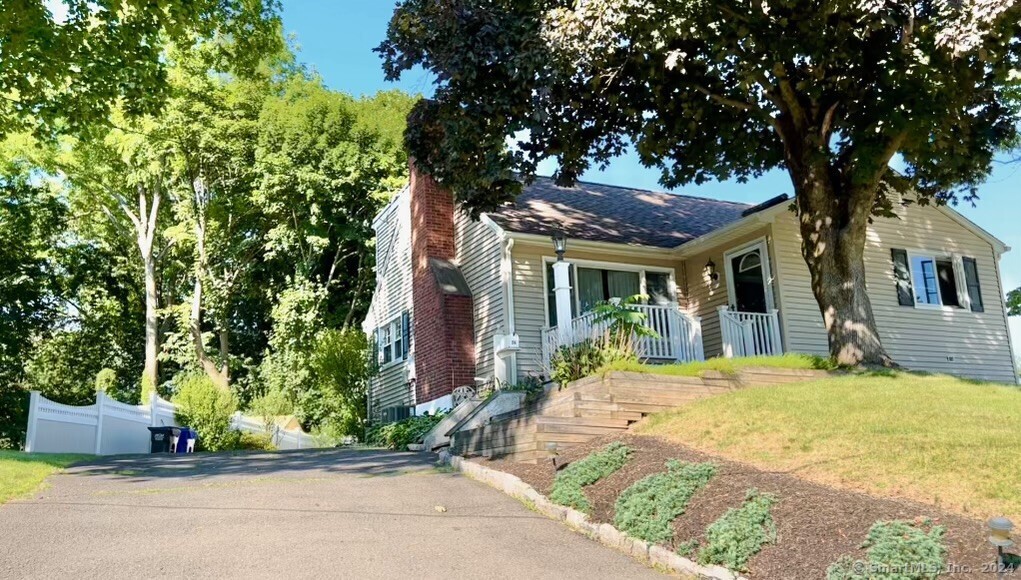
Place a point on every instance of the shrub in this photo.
(740, 533)
(896, 549)
(646, 509)
(531, 385)
(402, 433)
(567, 487)
(207, 409)
(255, 442)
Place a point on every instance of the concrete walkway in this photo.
(305, 514)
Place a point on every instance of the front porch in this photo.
(678, 334)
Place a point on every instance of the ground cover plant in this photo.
(22, 473)
(896, 549)
(737, 536)
(569, 483)
(646, 509)
(932, 438)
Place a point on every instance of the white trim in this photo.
(767, 273)
(615, 248)
(603, 265)
(998, 246)
(492, 225)
(937, 256)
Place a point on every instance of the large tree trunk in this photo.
(833, 223)
(150, 372)
(219, 376)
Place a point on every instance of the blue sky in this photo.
(336, 38)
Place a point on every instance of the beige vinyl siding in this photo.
(948, 340)
(704, 298)
(391, 298)
(479, 252)
(530, 293)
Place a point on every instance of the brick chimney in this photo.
(443, 323)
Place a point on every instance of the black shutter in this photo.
(406, 325)
(902, 277)
(974, 288)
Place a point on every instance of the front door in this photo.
(747, 272)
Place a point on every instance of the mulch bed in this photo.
(816, 525)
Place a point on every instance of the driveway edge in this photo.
(609, 536)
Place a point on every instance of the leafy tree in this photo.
(831, 92)
(63, 64)
(31, 219)
(1014, 302)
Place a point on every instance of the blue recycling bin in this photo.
(185, 436)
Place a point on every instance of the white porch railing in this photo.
(750, 333)
(679, 334)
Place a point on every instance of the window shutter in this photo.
(960, 281)
(406, 325)
(971, 281)
(902, 277)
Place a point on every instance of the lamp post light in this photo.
(562, 288)
(559, 243)
(999, 537)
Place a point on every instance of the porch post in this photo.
(562, 292)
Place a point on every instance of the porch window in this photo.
(591, 285)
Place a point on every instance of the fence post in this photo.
(33, 418)
(100, 398)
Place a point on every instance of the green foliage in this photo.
(1014, 302)
(896, 550)
(624, 319)
(13, 415)
(67, 67)
(531, 385)
(207, 409)
(569, 483)
(646, 509)
(254, 442)
(577, 361)
(107, 382)
(402, 433)
(740, 533)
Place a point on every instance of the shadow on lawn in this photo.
(198, 466)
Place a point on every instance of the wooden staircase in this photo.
(584, 411)
(598, 406)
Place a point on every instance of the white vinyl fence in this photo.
(110, 427)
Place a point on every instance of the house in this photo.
(461, 302)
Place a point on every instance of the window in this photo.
(392, 340)
(933, 280)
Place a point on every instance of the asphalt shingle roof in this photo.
(606, 213)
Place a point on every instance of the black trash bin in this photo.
(160, 439)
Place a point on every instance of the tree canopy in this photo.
(831, 92)
(64, 64)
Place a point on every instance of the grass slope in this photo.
(728, 366)
(936, 439)
(22, 473)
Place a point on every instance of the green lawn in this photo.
(936, 439)
(23, 473)
(724, 365)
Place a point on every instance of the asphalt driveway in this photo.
(304, 514)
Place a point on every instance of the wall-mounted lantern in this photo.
(710, 271)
